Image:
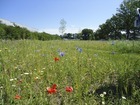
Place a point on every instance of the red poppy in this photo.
(17, 97)
(56, 59)
(54, 86)
(52, 90)
(69, 89)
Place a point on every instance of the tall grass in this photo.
(91, 68)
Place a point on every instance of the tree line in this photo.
(16, 33)
(119, 26)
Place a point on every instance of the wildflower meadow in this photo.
(69, 72)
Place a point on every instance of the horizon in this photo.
(46, 15)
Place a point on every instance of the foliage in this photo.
(2, 33)
(122, 21)
(129, 47)
(87, 34)
(70, 36)
(16, 33)
(89, 72)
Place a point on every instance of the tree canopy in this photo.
(122, 21)
(16, 33)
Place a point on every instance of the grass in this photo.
(91, 68)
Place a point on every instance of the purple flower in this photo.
(61, 54)
(79, 49)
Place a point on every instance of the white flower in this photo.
(36, 77)
(11, 79)
(26, 73)
(21, 74)
(103, 103)
(15, 78)
(104, 93)
(1, 87)
(101, 95)
(13, 85)
(123, 97)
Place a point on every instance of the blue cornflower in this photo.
(79, 49)
(61, 54)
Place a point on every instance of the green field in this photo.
(100, 72)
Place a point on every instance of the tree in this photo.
(87, 34)
(2, 33)
(62, 27)
(103, 31)
(127, 14)
(114, 25)
(121, 21)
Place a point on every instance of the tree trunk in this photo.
(127, 34)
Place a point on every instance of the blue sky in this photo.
(45, 15)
